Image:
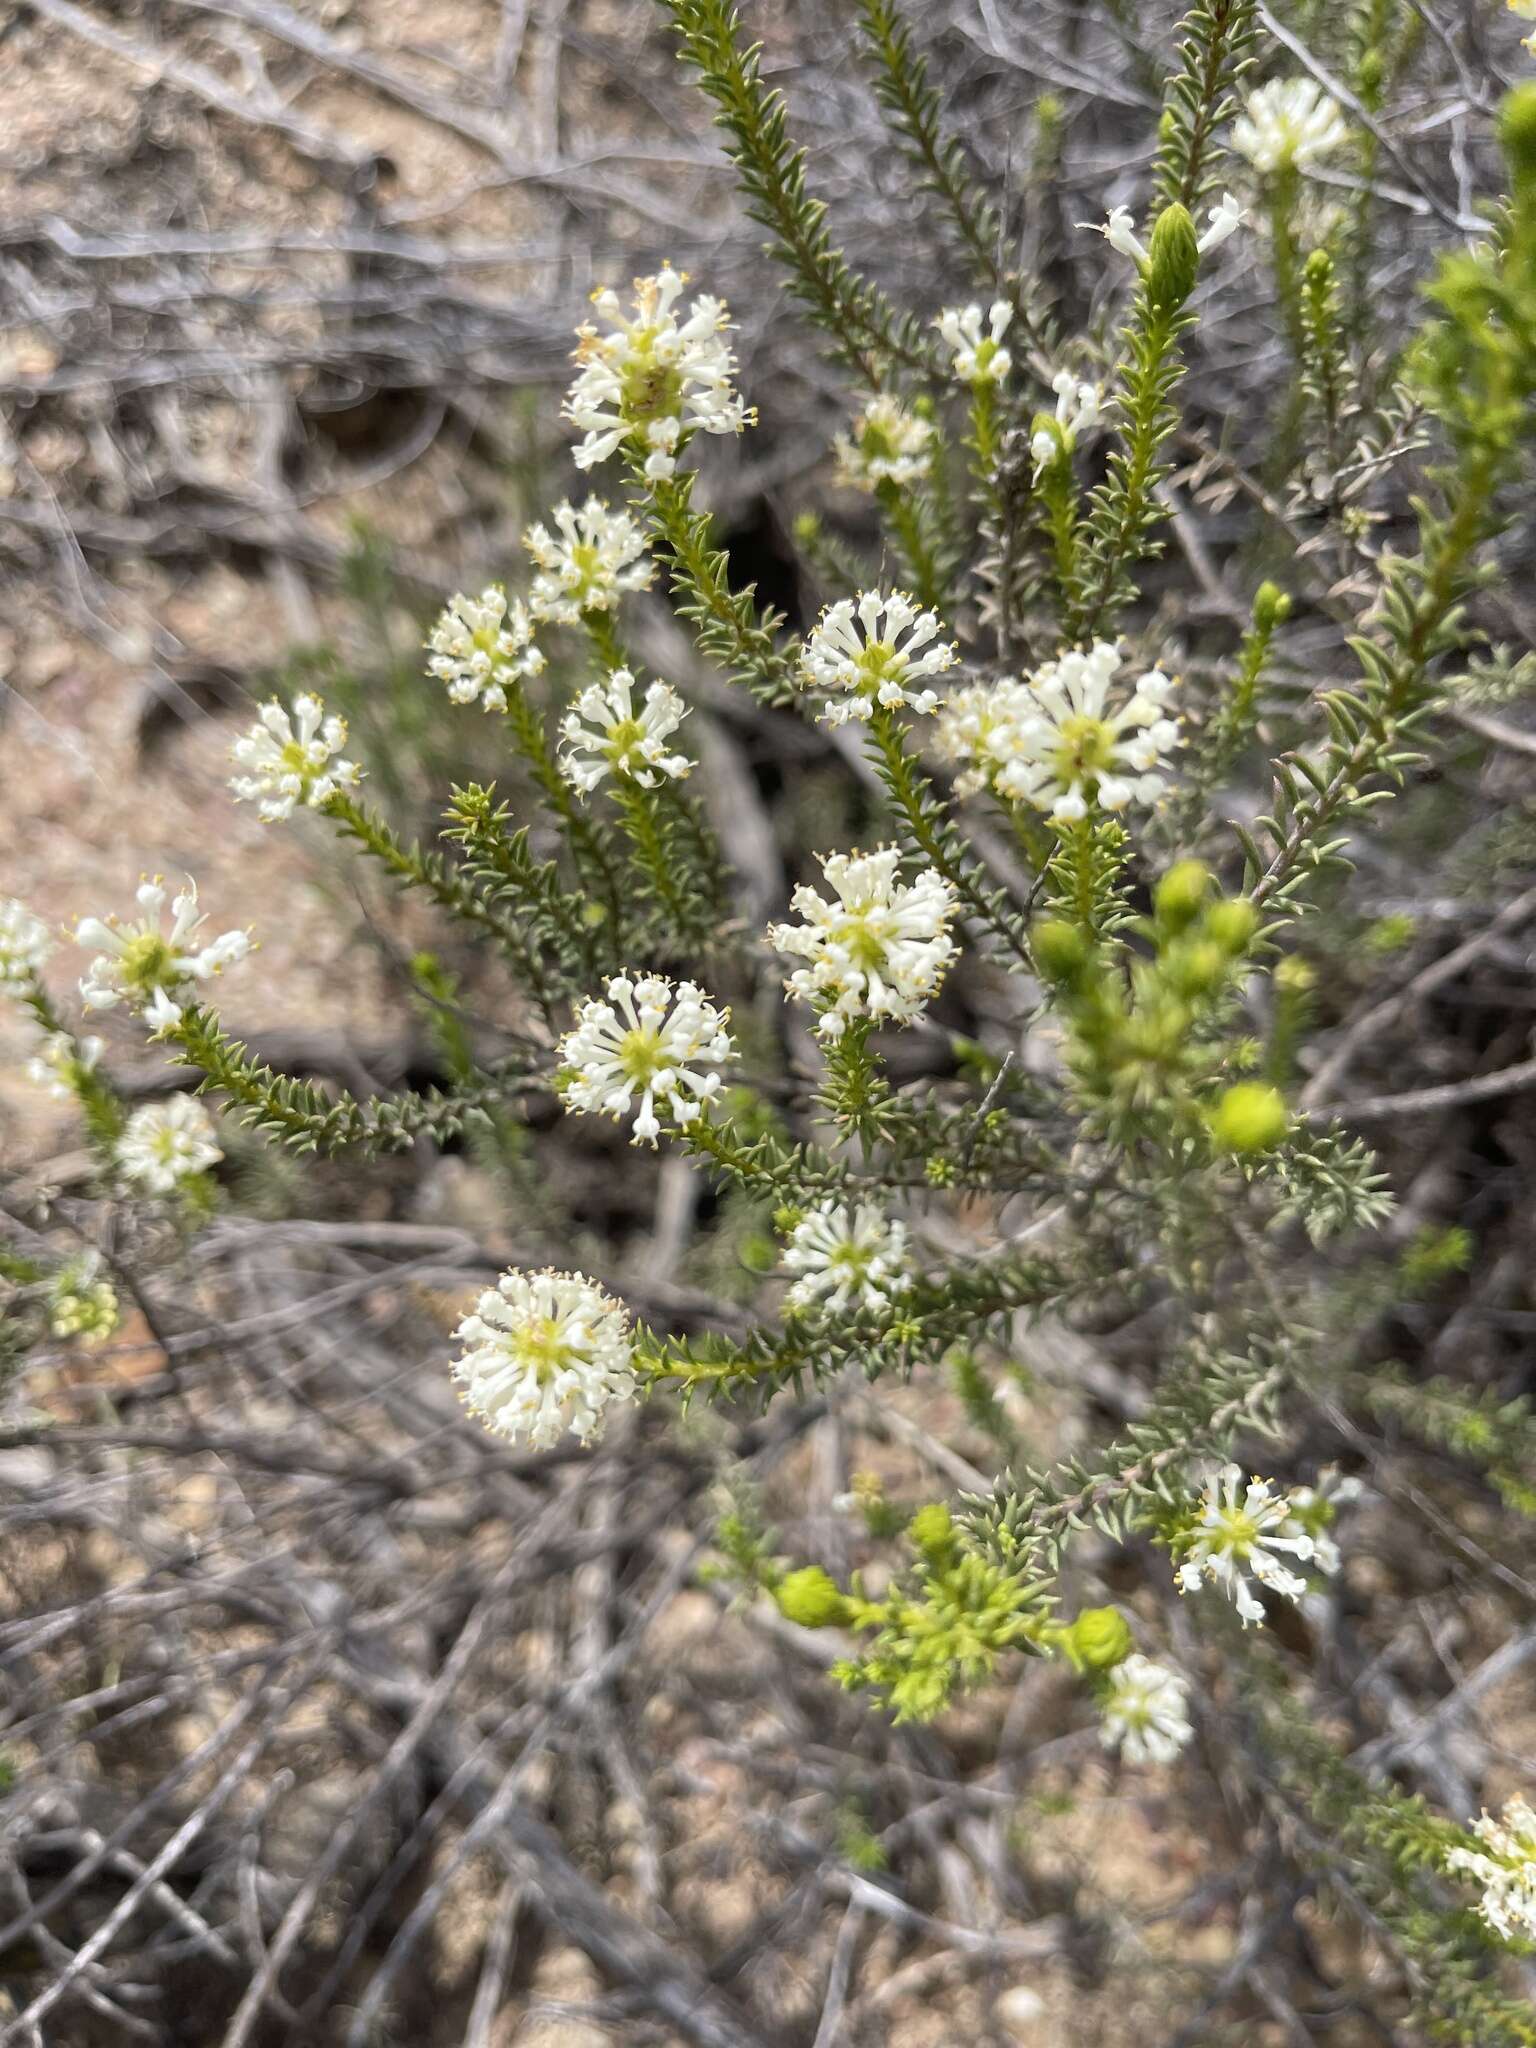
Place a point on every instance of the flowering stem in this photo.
(637, 807)
(855, 1092)
(1125, 508)
(100, 1104)
(930, 832)
(430, 873)
(586, 842)
(1056, 490)
(904, 511)
(765, 1167)
(602, 632)
(709, 870)
(868, 332)
(727, 624)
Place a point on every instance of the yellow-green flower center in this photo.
(1237, 1532)
(640, 1056)
(652, 390)
(542, 1349)
(861, 938)
(623, 738)
(1083, 749)
(875, 664)
(148, 962)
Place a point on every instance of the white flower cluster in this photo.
(846, 1255)
(480, 644)
(879, 949)
(1079, 407)
(291, 758)
(1237, 1539)
(25, 944)
(605, 735)
(978, 358)
(1051, 740)
(1119, 230)
(545, 1354)
(1144, 1711)
(1526, 9)
(165, 1143)
(653, 379)
(594, 558)
(1287, 124)
(1505, 1867)
(58, 1059)
(870, 650)
(150, 968)
(1313, 1511)
(888, 445)
(647, 1040)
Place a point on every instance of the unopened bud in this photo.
(1250, 1117)
(810, 1598)
(1173, 258)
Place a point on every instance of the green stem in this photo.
(928, 829)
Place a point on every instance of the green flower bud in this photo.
(1271, 605)
(1061, 951)
(1251, 1117)
(1232, 924)
(810, 1598)
(1181, 894)
(932, 1530)
(1197, 968)
(1294, 976)
(1173, 258)
(1098, 1640)
(807, 529)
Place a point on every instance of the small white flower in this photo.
(1289, 122)
(1145, 1711)
(1505, 1868)
(166, 1143)
(653, 379)
(880, 948)
(480, 644)
(597, 556)
(1226, 217)
(1079, 407)
(25, 944)
(291, 758)
(1052, 741)
(979, 358)
(1313, 1512)
(148, 968)
(1119, 230)
(59, 1060)
(857, 655)
(1236, 1539)
(651, 1040)
(888, 445)
(1526, 9)
(544, 1354)
(605, 735)
(846, 1256)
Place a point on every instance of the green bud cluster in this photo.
(1143, 1041)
